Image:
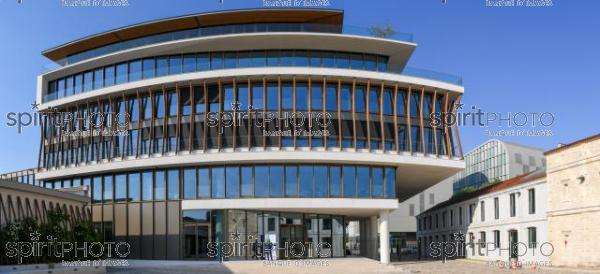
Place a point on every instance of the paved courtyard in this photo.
(477, 267)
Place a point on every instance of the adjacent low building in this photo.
(492, 161)
(503, 221)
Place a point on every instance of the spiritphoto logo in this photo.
(272, 123)
(75, 124)
(267, 250)
(519, 123)
(38, 247)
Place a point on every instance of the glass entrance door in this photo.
(290, 234)
(196, 238)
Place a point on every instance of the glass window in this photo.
(147, 186)
(328, 59)
(149, 67)
(257, 96)
(335, 186)
(388, 101)
(291, 181)
(159, 105)
(218, 182)
(356, 61)
(216, 60)
(306, 181)
(175, 64)
(316, 96)
(135, 70)
(203, 183)
(203, 62)
(173, 184)
(261, 181)
(189, 183)
(301, 58)
(390, 183)
(360, 99)
(200, 100)
(78, 83)
(88, 79)
(315, 59)
(228, 97)
(272, 58)
(109, 76)
(272, 97)
(247, 188)
(276, 180)
(363, 182)
(97, 189)
(331, 97)
(161, 66)
(230, 60)
(189, 63)
(370, 62)
(108, 189)
(377, 182)
(286, 58)
(98, 79)
(159, 185)
(133, 189)
(374, 100)
(243, 98)
(301, 97)
(121, 73)
(321, 181)
(346, 97)
(233, 182)
(342, 60)
(415, 104)
(69, 86)
(172, 97)
(185, 101)
(287, 99)
(349, 177)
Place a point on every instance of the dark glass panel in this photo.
(147, 186)
(349, 180)
(173, 184)
(258, 96)
(233, 181)
(335, 184)
(121, 73)
(321, 181)
(135, 70)
(204, 183)
(175, 64)
(133, 189)
(247, 187)
(363, 182)
(108, 194)
(161, 66)
(390, 183)
(189, 184)
(287, 93)
(203, 62)
(276, 179)
(149, 68)
(98, 79)
(360, 99)
(291, 181)
(189, 63)
(218, 182)
(306, 181)
(272, 97)
(377, 177)
(316, 96)
(261, 181)
(159, 185)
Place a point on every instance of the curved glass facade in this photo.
(245, 113)
(239, 181)
(152, 67)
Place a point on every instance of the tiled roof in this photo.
(515, 181)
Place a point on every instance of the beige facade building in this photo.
(574, 203)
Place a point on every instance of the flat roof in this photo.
(218, 18)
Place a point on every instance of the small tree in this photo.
(382, 31)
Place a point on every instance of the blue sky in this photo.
(512, 59)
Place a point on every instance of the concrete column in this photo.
(372, 238)
(384, 237)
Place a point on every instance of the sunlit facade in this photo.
(286, 130)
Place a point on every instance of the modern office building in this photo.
(495, 161)
(245, 126)
(492, 161)
(506, 221)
